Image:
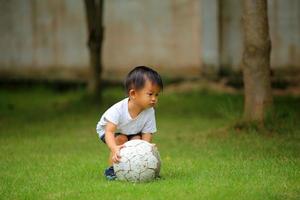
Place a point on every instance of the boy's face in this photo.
(147, 96)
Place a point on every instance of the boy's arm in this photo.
(147, 137)
(149, 127)
(110, 129)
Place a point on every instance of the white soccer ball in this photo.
(140, 162)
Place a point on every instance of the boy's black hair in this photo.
(137, 77)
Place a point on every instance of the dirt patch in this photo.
(222, 86)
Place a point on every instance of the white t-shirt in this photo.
(119, 115)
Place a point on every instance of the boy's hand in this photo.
(116, 158)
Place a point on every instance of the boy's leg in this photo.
(136, 137)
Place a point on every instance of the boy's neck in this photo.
(133, 108)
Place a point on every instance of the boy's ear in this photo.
(132, 93)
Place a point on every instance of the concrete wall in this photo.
(284, 17)
(165, 34)
(231, 38)
(210, 35)
(284, 31)
(42, 38)
(47, 38)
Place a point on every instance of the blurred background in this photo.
(53, 56)
(186, 39)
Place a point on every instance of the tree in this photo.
(94, 13)
(256, 61)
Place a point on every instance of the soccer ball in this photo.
(140, 162)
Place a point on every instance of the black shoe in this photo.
(109, 173)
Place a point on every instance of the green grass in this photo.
(49, 148)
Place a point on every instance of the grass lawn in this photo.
(49, 148)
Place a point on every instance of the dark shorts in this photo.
(129, 137)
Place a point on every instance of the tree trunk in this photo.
(256, 61)
(94, 13)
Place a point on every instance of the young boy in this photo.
(133, 117)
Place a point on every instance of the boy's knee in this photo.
(121, 139)
(137, 137)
